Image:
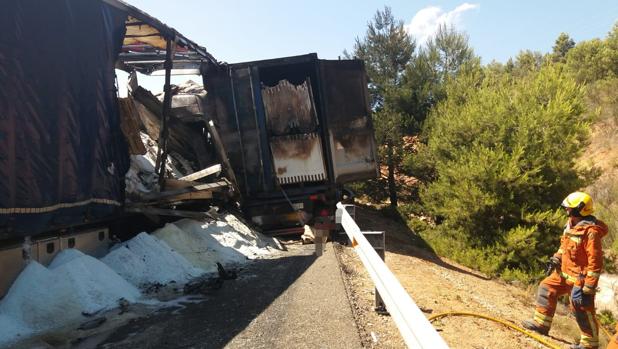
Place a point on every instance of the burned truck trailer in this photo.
(295, 131)
(63, 150)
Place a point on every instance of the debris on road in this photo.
(89, 325)
(204, 285)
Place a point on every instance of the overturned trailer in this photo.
(295, 130)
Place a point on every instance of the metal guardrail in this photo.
(416, 330)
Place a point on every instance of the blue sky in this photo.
(235, 31)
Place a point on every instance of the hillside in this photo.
(602, 152)
(438, 285)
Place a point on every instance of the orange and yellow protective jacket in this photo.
(581, 252)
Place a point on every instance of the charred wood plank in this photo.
(222, 154)
(129, 124)
(155, 211)
(202, 173)
(173, 183)
(202, 187)
(200, 195)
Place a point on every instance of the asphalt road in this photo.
(295, 301)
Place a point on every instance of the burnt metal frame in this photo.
(260, 119)
(149, 62)
(167, 107)
(166, 32)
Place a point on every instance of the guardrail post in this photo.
(320, 237)
(377, 241)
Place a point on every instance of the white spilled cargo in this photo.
(606, 298)
(146, 260)
(228, 242)
(75, 286)
(44, 298)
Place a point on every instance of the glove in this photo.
(582, 296)
(554, 263)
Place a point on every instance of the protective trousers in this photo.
(550, 289)
(613, 343)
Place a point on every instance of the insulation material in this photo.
(141, 178)
(143, 34)
(289, 108)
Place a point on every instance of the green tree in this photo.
(505, 152)
(561, 47)
(386, 49)
(448, 51)
(439, 60)
(527, 62)
(590, 61)
(611, 43)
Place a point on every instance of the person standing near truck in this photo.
(576, 269)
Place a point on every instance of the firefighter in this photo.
(577, 267)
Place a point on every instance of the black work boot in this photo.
(534, 326)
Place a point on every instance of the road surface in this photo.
(295, 301)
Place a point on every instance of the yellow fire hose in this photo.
(530, 334)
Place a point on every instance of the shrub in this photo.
(504, 152)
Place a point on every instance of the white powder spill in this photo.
(180, 303)
(196, 247)
(261, 239)
(96, 287)
(40, 298)
(12, 330)
(205, 244)
(607, 296)
(145, 260)
(64, 257)
(46, 298)
(43, 299)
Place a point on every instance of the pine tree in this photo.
(386, 49)
(562, 46)
(505, 152)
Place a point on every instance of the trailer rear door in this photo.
(348, 117)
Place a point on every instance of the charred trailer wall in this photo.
(62, 154)
(294, 128)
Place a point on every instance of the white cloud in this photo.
(426, 21)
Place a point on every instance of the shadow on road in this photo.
(217, 320)
(400, 239)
